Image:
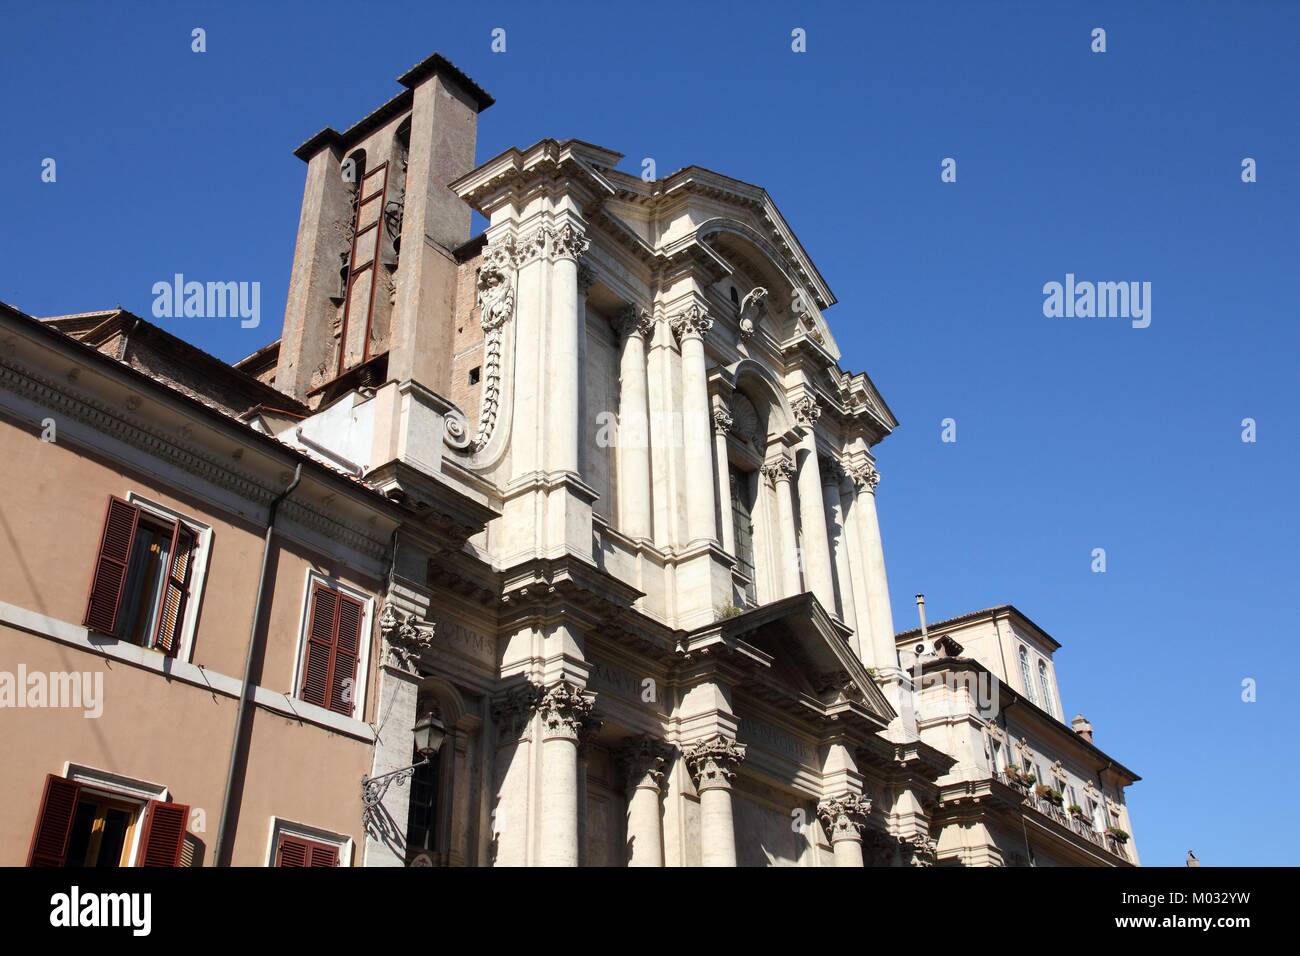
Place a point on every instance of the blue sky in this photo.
(1072, 434)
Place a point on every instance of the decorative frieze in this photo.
(713, 762)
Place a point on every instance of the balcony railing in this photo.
(1076, 825)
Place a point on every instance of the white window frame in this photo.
(282, 827)
(198, 567)
(1026, 677)
(117, 787)
(1046, 684)
(363, 658)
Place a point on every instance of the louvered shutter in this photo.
(321, 622)
(175, 591)
(347, 646)
(110, 567)
(292, 852)
(164, 834)
(54, 823)
(295, 851)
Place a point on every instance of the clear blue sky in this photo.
(1073, 434)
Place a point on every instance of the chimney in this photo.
(920, 609)
(1082, 727)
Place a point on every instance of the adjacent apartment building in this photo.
(552, 545)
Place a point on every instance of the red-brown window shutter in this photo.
(110, 567)
(347, 647)
(320, 645)
(296, 851)
(175, 591)
(54, 823)
(164, 834)
(329, 669)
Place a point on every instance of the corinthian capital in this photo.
(864, 475)
(564, 710)
(693, 321)
(806, 410)
(845, 816)
(831, 471)
(713, 762)
(644, 761)
(780, 468)
(722, 421)
(406, 637)
(567, 242)
(633, 320)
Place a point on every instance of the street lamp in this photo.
(429, 735)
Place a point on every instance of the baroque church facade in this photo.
(573, 550)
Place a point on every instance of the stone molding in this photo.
(713, 762)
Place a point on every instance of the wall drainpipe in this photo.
(245, 690)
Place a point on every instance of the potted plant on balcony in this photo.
(1121, 836)
(1076, 811)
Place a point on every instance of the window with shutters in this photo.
(333, 647)
(78, 825)
(147, 575)
(295, 844)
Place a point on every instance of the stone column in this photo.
(722, 423)
(713, 765)
(691, 327)
(816, 549)
(779, 471)
(635, 521)
(644, 761)
(832, 475)
(844, 818)
(563, 709)
(883, 652)
(563, 373)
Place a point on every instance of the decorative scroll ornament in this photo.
(806, 410)
(633, 320)
(713, 762)
(845, 815)
(565, 710)
(405, 638)
(694, 321)
(864, 474)
(752, 309)
(722, 421)
(496, 297)
(568, 243)
(644, 761)
(778, 469)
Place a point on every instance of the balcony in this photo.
(1061, 817)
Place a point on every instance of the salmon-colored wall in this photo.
(155, 729)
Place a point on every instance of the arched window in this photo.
(1049, 700)
(1025, 676)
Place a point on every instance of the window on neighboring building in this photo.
(141, 585)
(1045, 682)
(293, 850)
(996, 750)
(332, 649)
(742, 500)
(1025, 676)
(79, 826)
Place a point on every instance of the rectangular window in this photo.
(299, 851)
(79, 826)
(332, 649)
(743, 521)
(143, 574)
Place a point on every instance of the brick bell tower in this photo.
(372, 291)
